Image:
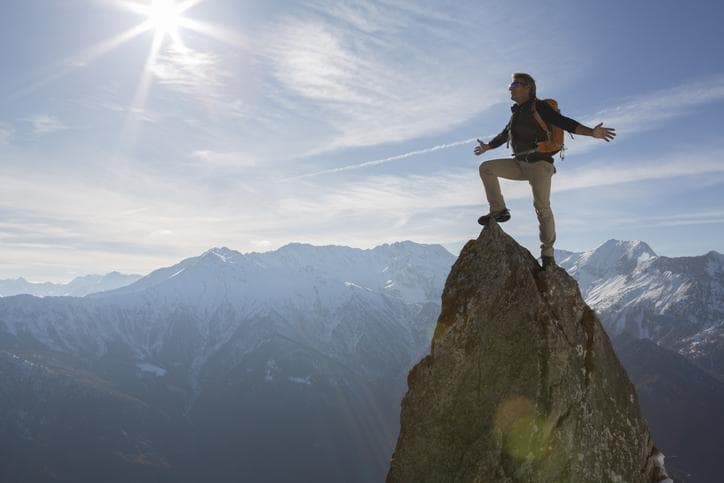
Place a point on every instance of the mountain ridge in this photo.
(78, 287)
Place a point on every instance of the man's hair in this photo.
(526, 79)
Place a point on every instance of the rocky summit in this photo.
(522, 383)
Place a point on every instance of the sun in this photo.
(166, 20)
(164, 17)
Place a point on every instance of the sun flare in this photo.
(164, 17)
(166, 20)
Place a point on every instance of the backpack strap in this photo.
(539, 119)
(510, 132)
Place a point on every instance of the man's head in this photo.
(522, 88)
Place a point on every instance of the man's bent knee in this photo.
(484, 169)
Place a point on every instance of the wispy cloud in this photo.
(652, 110)
(6, 132)
(46, 124)
(630, 117)
(187, 70)
(408, 195)
(703, 218)
(609, 175)
(369, 81)
(233, 159)
(191, 73)
(155, 219)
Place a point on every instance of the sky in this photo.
(133, 135)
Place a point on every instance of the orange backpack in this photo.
(555, 134)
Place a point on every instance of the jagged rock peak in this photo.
(522, 383)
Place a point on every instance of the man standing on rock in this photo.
(526, 134)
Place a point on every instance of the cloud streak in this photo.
(636, 115)
(376, 162)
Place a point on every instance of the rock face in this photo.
(522, 383)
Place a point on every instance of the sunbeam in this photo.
(83, 58)
(165, 19)
(141, 95)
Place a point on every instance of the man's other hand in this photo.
(480, 148)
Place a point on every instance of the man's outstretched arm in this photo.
(494, 143)
(598, 132)
(571, 125)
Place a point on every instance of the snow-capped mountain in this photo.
(305, 289)
(295, 359)
(78, 287)
(289, 364)
(676, 302)
(406, 271)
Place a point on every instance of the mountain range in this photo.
(78, 287)
(291, 364)
(225, 367)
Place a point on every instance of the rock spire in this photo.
(522, 383)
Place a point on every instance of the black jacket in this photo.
(526, 131)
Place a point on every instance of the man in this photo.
(524, 132)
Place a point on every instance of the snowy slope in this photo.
(676, 302)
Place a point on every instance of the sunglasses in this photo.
(517, 84)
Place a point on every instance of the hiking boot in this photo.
(500, 216)
(548, 262)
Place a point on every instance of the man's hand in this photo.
(481, 148)
(605, 133)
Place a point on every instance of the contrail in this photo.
(387, 160)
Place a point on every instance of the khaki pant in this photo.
(538, 174)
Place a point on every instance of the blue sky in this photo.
(264, 123)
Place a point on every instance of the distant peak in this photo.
(223, 253)
(221, 250)
(297, 246)
(628, 248)
(411, 246)
(403, 243)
